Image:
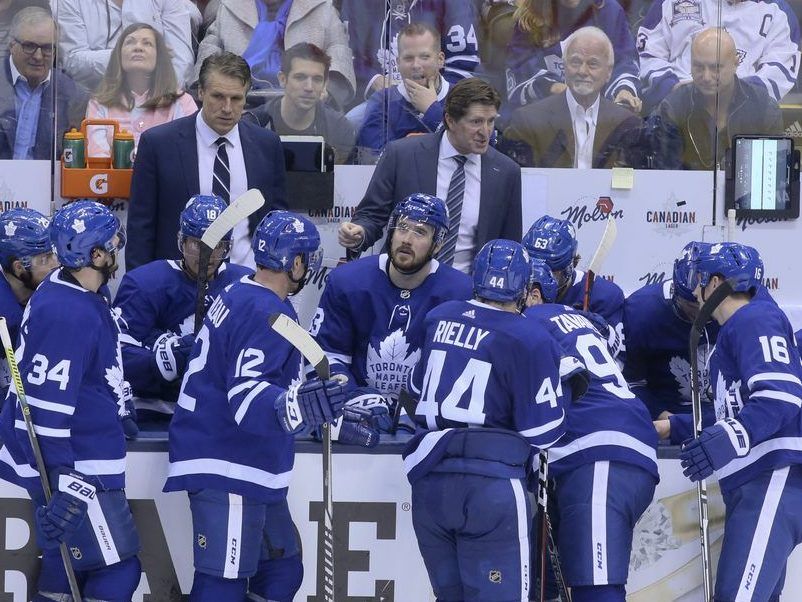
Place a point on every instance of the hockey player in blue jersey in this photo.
(754, 446)
(157, 305)
(26, 257)
(657, 323)
(370, 318)
(72, 372)
(231, 438)
(491, 387)
(605, 466)
(554, 241)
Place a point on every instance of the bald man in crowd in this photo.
(684, 121)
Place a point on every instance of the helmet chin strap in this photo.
(301, 282)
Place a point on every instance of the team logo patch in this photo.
(686, 10)
(10, 229)
(298, 225)
(494, 576)
(79, 226)
(201, 541)
(76, 553)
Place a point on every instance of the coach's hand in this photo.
(716, 447)
(350, 235)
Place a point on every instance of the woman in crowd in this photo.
(139, 88)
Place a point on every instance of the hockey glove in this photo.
(171, 353)
(716, 447)
(64, 514)
(373, 406)
(309, 404)
(127, 411)
(365, 415)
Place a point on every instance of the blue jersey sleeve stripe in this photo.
(778, 395)
(44, 431)
(246, 403)
(543, 429)
(244, 386)
(50, 406)
(101, 467)
(764, 376)
(760, 450)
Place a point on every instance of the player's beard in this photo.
(106, 270)
(26, 277)
(411, 268)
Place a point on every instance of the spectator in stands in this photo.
(535, 62)
(260, 30)
(88, 30)
(301, 111)
(211, 152)
(415, 104)
(139, 89)
(717, 101)
(374, 28)
(27, 87)
(578, 127)
(9, 8)
(765, 32)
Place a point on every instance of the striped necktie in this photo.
(456, 190)
(221, 175)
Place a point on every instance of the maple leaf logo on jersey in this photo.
(681, 370)
(116, 381)
(389, 366)
(79, 226)
(10, 229)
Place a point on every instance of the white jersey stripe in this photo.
(424, 447)
(246, 403)
(230, 470)
(23, 470)
(598, 438)
(793, 444)
(233, 537)
(523, 535)
(781, 376)
(101, 467)
(44, 431)
(241, 387)
(778, 395)
(760, 539)
(598, 522)
(50, 406)
(545, 428)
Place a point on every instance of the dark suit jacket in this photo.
(545, 129)
(70, 108)
(409, 165)
(166, 175)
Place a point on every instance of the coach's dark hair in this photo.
(305, 51)
(418, 28)
(467, 92)
(228, 64)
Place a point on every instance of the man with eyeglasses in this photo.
(27, 86)
(370, 318)
(156, 302)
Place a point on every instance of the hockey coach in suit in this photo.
(481, 186)
(211, 152)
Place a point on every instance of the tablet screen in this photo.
(763, 174)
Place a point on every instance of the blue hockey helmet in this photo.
(554, 241)
(682, 268)
(24, 233)
(79, 228)
(733, 261)
(424, 208)
(280, 236)
(200, 211)
(501, 271)
(544, 279)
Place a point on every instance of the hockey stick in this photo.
(242, 207)
(545, 534)
(705, 313)
(303, 342)
(5, 337)
(605, 244)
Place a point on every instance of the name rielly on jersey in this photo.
(459, 335)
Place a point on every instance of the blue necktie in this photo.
(456, 190)
(221, 175)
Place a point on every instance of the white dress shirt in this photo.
(466, 238)
(584, 123)
(206, 138)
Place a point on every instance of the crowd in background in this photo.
(585, 83)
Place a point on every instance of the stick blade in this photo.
(299, 338)
(242, 207)
(605, 245)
